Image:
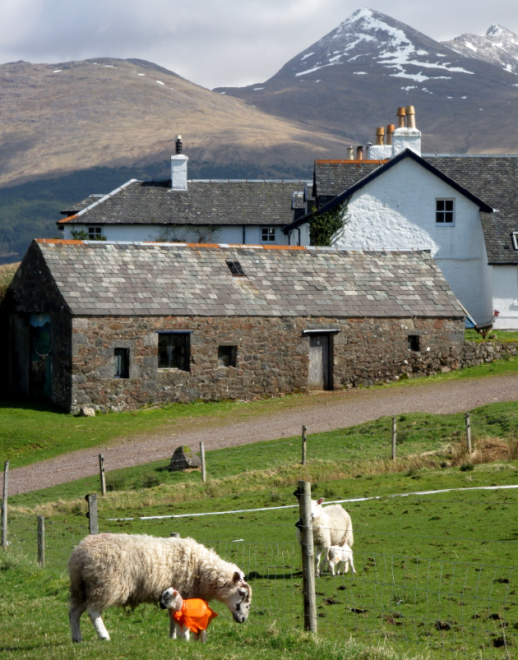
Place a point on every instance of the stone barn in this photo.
(121, 325)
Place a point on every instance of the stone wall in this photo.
(488, 351)
(272, 356)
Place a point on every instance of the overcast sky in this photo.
(215, 42)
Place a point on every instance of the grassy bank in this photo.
(34, 432)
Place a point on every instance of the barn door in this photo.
(318, 362)
(40, 373)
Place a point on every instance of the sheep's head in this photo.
(316, 509)
(171, 600)
(239, 598)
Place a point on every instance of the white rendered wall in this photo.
(397, 211)
(228, 234)
(505, 296)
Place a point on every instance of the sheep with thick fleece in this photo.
(130, 569)
(338, 554)
(331, 525)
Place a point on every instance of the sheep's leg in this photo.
(100, 629)
(352, 564)
(200, 636)
(182, 632)
(332, 567)
(172, 628)
(318, 554)
(74, 614)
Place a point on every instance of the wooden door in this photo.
(318, 377)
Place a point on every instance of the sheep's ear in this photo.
(319, 501)
(237, 577)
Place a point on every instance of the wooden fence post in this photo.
(394, 438)
(468, 432)
(203, 464)
(308, 558)
(93, 522)
(41, 541)
(304, 445)
(102, 474)
(4, 505)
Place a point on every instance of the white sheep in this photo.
(330, 526)
(130, 569)
(186, 616)
(338, 554)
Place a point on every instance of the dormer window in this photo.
(444, 211)
(515, 240)
(236, 269)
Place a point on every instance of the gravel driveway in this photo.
(319, 412)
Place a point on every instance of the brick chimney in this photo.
(179, 167)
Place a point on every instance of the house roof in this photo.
(149, 279)
(203, 203)
(332, 177)
(495, 179)
(378, 171)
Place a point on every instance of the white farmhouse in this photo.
(463, 209)
(185, 211)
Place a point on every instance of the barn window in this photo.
(268, 234)
(413, 342)
(227, 356)
(174, 350)
(121, 359)
(444, 210)
(236, 269)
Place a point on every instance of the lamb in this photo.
(130, 569)
(338, 554)
(186, 616)
(330, 526)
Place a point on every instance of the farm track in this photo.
(320, 412)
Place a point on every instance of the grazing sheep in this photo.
(130, 569)
(186, 616)
(330, 526)
(338, 554)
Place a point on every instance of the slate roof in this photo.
(203, 203)
(150, 279)
(495, 180)
(332, 177)
(83, 204)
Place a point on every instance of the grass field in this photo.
(436, 574)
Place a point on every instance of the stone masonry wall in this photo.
(272, 356)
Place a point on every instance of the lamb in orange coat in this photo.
(186, 616)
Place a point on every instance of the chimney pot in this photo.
(390, 130)
(178, 144)
(350, 153)
(359, 153)
(380, 134)
(401, 117)
(410, 116)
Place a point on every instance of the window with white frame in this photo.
(268, 234)
(515, 240)
(444, 211)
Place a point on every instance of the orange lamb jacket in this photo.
(195, 615)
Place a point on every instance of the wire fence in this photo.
(384, 445)
(452, 607)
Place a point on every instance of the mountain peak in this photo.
(499, 46)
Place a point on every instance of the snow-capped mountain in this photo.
(354, 78)
(499, 46)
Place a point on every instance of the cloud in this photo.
(213, 42)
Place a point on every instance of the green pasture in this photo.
(436, 574)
